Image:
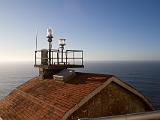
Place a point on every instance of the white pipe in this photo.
(134, 116)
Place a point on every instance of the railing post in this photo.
(49, 56)
(61, 56)
(66, 57)
(58, 57)
(82, 57)
(52, 57)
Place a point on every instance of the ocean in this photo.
(143, 75)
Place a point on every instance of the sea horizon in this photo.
(142, 75)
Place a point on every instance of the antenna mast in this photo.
(36, 39)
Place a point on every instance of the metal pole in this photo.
(66, 57)
(49, 36)
(52, 58)
(82, 57)
(62, 55)
(58, 57)
(50, 53)
(35, 57)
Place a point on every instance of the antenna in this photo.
(36, 39)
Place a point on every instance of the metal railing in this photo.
(57, 57)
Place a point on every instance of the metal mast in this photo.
(49, 36)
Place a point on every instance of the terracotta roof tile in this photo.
(48, 99)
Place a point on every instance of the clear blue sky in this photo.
(104, 29)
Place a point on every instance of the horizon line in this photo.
(13, 61)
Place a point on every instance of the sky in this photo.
(104, 29)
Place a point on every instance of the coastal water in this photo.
(14, 74)
(143, 75)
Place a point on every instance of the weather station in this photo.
(51, 61)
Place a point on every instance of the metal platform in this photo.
(51, 61)
(59, 66)
(55, 59)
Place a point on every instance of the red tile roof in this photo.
(48, 99)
